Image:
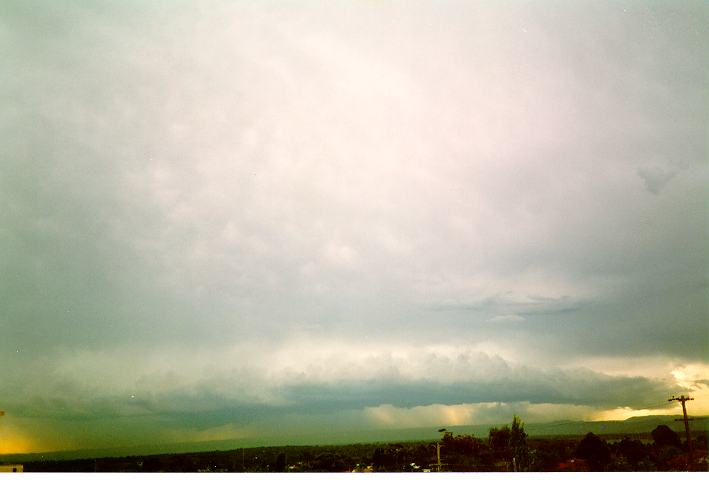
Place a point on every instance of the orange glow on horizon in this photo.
(624, 413)
(14, 444)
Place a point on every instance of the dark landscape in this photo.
(624, 446)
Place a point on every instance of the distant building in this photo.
(12, 467)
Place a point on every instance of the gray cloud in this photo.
(249, 397)
(655, 178)
(186, 178)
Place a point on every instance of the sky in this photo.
(228, 219)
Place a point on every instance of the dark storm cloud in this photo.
(236, 396)
(575, 388)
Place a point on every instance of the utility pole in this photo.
(682, 399)
(438, 455)
(439, 465)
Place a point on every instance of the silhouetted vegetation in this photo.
(507, 448)
(664, 436)
(595, 451)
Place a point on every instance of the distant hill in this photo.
(631, 426)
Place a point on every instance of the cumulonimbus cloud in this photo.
(177, 180)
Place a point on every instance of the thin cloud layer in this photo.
(196, 197)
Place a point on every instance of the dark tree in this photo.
(664, 436)
(499, 441)
(632, 450)
(281, 462)
(594, 450)
(510, 444)
(518, 445)
(382, 460)
(462, 444)
(331, 462)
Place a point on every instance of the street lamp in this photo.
(438, 450)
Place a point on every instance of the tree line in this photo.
(506, 448)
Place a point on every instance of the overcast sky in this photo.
(226, 218)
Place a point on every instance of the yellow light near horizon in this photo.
(14, 445)
(624, 413)
(700, 405)
(688, 378)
